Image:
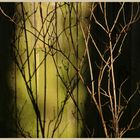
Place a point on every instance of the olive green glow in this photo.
(55, 90)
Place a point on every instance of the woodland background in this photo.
(69, 69)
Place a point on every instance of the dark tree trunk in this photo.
(7, 121)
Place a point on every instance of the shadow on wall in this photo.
(7, 121)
